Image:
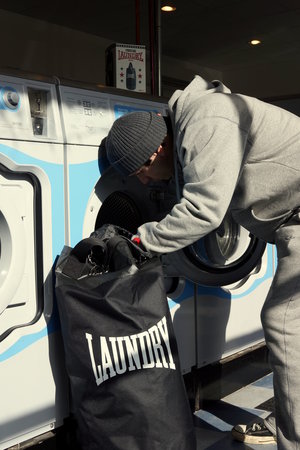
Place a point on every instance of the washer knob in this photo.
(11, 99)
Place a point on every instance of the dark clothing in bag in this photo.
(121, 353)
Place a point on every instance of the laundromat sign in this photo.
(126, 67)
(131, 56)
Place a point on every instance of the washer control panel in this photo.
(28, 110)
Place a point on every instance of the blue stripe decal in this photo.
(28, 340)
(258, 281)
(125, 109)
(22, 343)
(82, 180)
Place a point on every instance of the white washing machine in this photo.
(54, 192)
(87, 117)
(33, 387)
(211, 321)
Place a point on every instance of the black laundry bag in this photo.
(127, 390)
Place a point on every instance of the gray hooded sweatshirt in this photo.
(238, 155)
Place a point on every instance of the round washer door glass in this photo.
(223, 257)
(223, 247)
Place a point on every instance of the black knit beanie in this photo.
(133, 138)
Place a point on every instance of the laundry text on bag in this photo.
(145, 350)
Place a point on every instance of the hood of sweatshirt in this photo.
(199, 86)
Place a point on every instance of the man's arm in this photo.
(212, 155)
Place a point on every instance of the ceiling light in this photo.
(168, 7)
(255, 42)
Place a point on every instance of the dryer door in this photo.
(223, 257)
(20, 265)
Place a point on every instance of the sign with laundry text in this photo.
(126, 66)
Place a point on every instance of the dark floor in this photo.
(214, 421)
(225, 395)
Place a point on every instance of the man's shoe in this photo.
(254, 433)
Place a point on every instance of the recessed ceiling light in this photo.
(255, 42)
(168, 7)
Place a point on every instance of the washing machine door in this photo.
(225, 256)
(21, 273)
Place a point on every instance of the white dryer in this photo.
(33, 387)
(211, 321)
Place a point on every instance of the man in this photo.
(237, 155)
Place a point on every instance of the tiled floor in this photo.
(214, 423)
